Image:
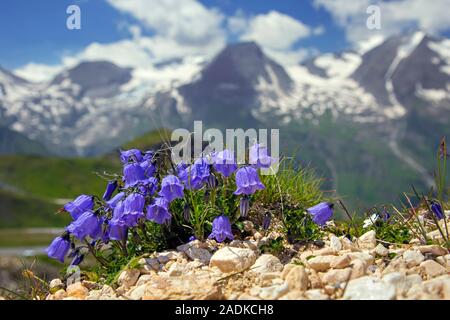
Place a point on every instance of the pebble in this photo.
(316, 294)
(412, 258)
(267, 263)
(432, 268)
(336, 276)
(381, 250)
(335, 243)
(77, 290)
(230, 259)
(367, 240)
(369, 288)
(297, 279)
(128, 278)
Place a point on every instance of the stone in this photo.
(347, 244)
(297, 279)
(144, 279)
(336, 276)
(273, 292)
(324, 252)
(397, 279)
(340, 262)
(432, 268)
(381, 250)
(320, 263)
(248, 226)
(186, 287)
(107, 291)
(316, 294)
(56, 284)
(175, 270)
(412, 258)
(267, 263)
(137, 292)
(434, 250)
(266, 279)
(335, 243)
(369, 288)
(166, 256)
(128, 278)
(293, 295)
(367, 240)
(60, 294)
(195, 251)
(286, 269)
(77, 290)
(230, 259)
(246, 296)
(364, 256)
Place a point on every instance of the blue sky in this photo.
(148, 31)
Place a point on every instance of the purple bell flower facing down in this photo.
(133, 174)
(148, 168)
(133, 209)
(224, 163)
(148, 187)
(131, 155)
(59, 248)
(171, 188)
(244, 206)
(221, 229)
(198, 174)
(81, 204)
(247, 181)
(88, 224)
(321, 213)
(77, 260)
(266, 221)
(437, 210)
(115, 200)
(259, 157)
(159, 211)
(110, 188)
(148, 155)
(117, 229)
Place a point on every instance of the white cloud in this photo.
(276, 30)
(36, 72)
(396, 16)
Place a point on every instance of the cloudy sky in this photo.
(35, 42)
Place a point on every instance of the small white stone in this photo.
(273, 292)
(56, 283)
(316, 294)
(381, 250)
(267, 263)
(335, 243)
(412, 258)
(369, 288)
(229, 259)
(367, 240)
(128, 278)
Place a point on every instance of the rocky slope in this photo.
(335, 268)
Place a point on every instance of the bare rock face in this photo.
(230, 259)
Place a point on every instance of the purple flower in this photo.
(247, 181)
(244, 206)
(225, 163)
(321, 213)
(221, 229)
(148, 155)
(133, 174)
(117, 229)
(171, 188)
(159, 211)
(81, 204)
(148, 168)
(258, 156)
(133, 209)
(148, 187)
(77, 259)
(88, 224)
(59, 248)
(110, 188)
(113, 202)
(186, 213)
(437, 210)
(130, 155)
(198, 174)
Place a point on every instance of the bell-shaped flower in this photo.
(110, 188)
(133, 209)
(224, 163)
(266, 221)
(247, 181)
(81, 204)
(148, 187)
(115, 200)
(437, 210)
(59, 248)
(171, 188)
(132, 155)
(244, 206)
(88, 224)
(133, 174)
(259, 156)
(117, 229)
(198, 174)
(221, 229)
(321, 213)
(159, 211)
(148, 168)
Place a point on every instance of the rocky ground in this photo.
(335, 268)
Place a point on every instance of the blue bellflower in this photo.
(244, 206)
(259, 157)
(88, 224)
(81, 204)
(159, 211)
(133, 174)
(133, 209)
(113, 202)
(59, 248)
(247, 181)
(171, 188)
(321, 213)
(221, 229)
(224, 163)
(110, 188)
(132, 155)
(437, 210)
(148, 187)
(198, 174)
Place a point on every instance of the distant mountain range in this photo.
(369, 120)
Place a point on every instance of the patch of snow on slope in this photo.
(442, 48)
(339, 67)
